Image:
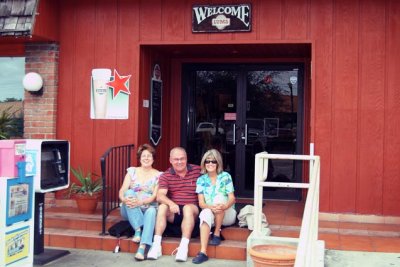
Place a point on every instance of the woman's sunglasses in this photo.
(210, 161)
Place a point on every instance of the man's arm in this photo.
(163, 199)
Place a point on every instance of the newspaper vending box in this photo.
(16, 206)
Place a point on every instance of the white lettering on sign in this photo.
(221, 22)
(240, 12)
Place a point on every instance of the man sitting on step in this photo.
(178, 204)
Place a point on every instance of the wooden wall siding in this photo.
(173, 20)
(371, 108)
(345, 104)
(391, 149)
(85, 39)
(355, 44)
(295, 19)
(47, 21)
(269, 20)
(151, 20)
(66, 94)
(322, 31)
(16, 50)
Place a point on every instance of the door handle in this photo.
(234, 134)
(244, 136)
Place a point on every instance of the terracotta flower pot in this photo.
(273, 255)
(86, 204)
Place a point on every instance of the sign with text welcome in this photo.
(221, 18)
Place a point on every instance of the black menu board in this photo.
(156, 108)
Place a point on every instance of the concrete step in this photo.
(65, 227)
(70, 219)
(90, 239)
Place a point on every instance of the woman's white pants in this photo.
(207, 216)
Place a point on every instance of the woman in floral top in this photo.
(216, 199)
(138, 196)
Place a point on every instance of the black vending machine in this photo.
(48, 161)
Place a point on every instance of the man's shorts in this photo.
(174, 229)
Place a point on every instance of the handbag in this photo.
(122, 228)
(119, 229)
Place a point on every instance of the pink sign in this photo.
(11, 151)
(230, 116)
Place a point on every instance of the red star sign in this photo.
(119, 84)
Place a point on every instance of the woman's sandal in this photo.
(137, 236)
(140, 253)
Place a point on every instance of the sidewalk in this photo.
(96, 258)
(341, 258)
(333, 258)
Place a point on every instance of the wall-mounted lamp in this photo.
(33, 83)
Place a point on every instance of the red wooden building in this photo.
(320, 71)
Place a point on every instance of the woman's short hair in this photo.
(212, 154)
(144, 147)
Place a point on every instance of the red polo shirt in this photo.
(181, 190)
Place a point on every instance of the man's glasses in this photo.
(179, 159)
(210, 161)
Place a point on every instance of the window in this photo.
(12, 71)
(11, 75)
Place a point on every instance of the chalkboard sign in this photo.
(156, 108)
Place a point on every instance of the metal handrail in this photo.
(113, 163)
(307, 245)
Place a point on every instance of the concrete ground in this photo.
(96, 258)
(343, 258)
(333, 258)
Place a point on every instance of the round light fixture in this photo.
(32, 82)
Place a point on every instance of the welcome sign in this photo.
(221, 18)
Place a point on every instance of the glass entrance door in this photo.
(242, 110)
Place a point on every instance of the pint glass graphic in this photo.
(100, 78)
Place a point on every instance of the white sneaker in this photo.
(154, 253)
(181, 254)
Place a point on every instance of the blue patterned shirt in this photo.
(223, 186)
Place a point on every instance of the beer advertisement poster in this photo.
(16, 245)
(109, 95)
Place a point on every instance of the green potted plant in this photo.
(86, 191)
(10, 124)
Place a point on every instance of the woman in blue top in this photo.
(216, 199)
(138, 196)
